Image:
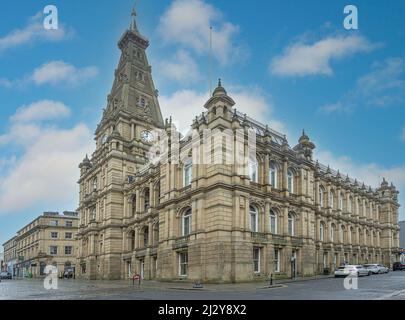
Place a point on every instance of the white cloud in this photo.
(301, 59)
(383, 86)
(185, 105)
(181, 67)
(41, 110)
(187, 22)
(55, 72)
(45, 172)
(369, 173)
(33, 32)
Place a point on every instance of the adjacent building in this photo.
(47, 240)
(10, 255)
(283, 214)
(402, 234)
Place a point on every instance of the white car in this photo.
(383, 269)
(352, 269)
(373, 267)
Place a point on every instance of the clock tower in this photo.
(123, 139)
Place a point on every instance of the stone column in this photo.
(266, 176)
(285, 221)
(138, 201)
(150, 234)
(266, 226)
(284, 175)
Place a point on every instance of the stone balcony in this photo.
(259, 237)
(181, 242)
(278, 240)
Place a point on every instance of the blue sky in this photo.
(290, 64)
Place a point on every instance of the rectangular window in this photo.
(273, 226)
(183, 263)
(53, 250)
(256, 260)
(188, 174)
(68, 235)
(325, 260)
(68, 250)
(276, 260)
(69, 224)
(54, 235)
(54, 223)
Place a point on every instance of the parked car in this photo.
(5, 275)
(351, 269)
(68, 274)
(383, 269)
(374, 268)
(398, 266)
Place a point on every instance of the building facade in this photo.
(279, 213)
(47, 240)
(10, 255)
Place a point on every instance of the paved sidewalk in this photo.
(246, 286)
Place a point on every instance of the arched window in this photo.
(132, 240)
(145, 236)
(321, 196)
(331, 199)
(254, 219)
(93, 213)
(321, 232)
(342, 234)
(290, 181)
(291, 224)
(273, 175)
(340, 201)
(146, 197)
(187, 173)
(156, 233)
(332, 233)
(350, 204)
(186, 222)
(253, 171)
(95, 184)
(273, 222)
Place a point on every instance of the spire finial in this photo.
(219, 82)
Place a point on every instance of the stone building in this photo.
(10, 255)
(283, 213)
(47, 240)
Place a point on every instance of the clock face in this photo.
(146, 136)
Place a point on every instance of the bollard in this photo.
(271, 279)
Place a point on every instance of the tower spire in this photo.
(133, 26)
